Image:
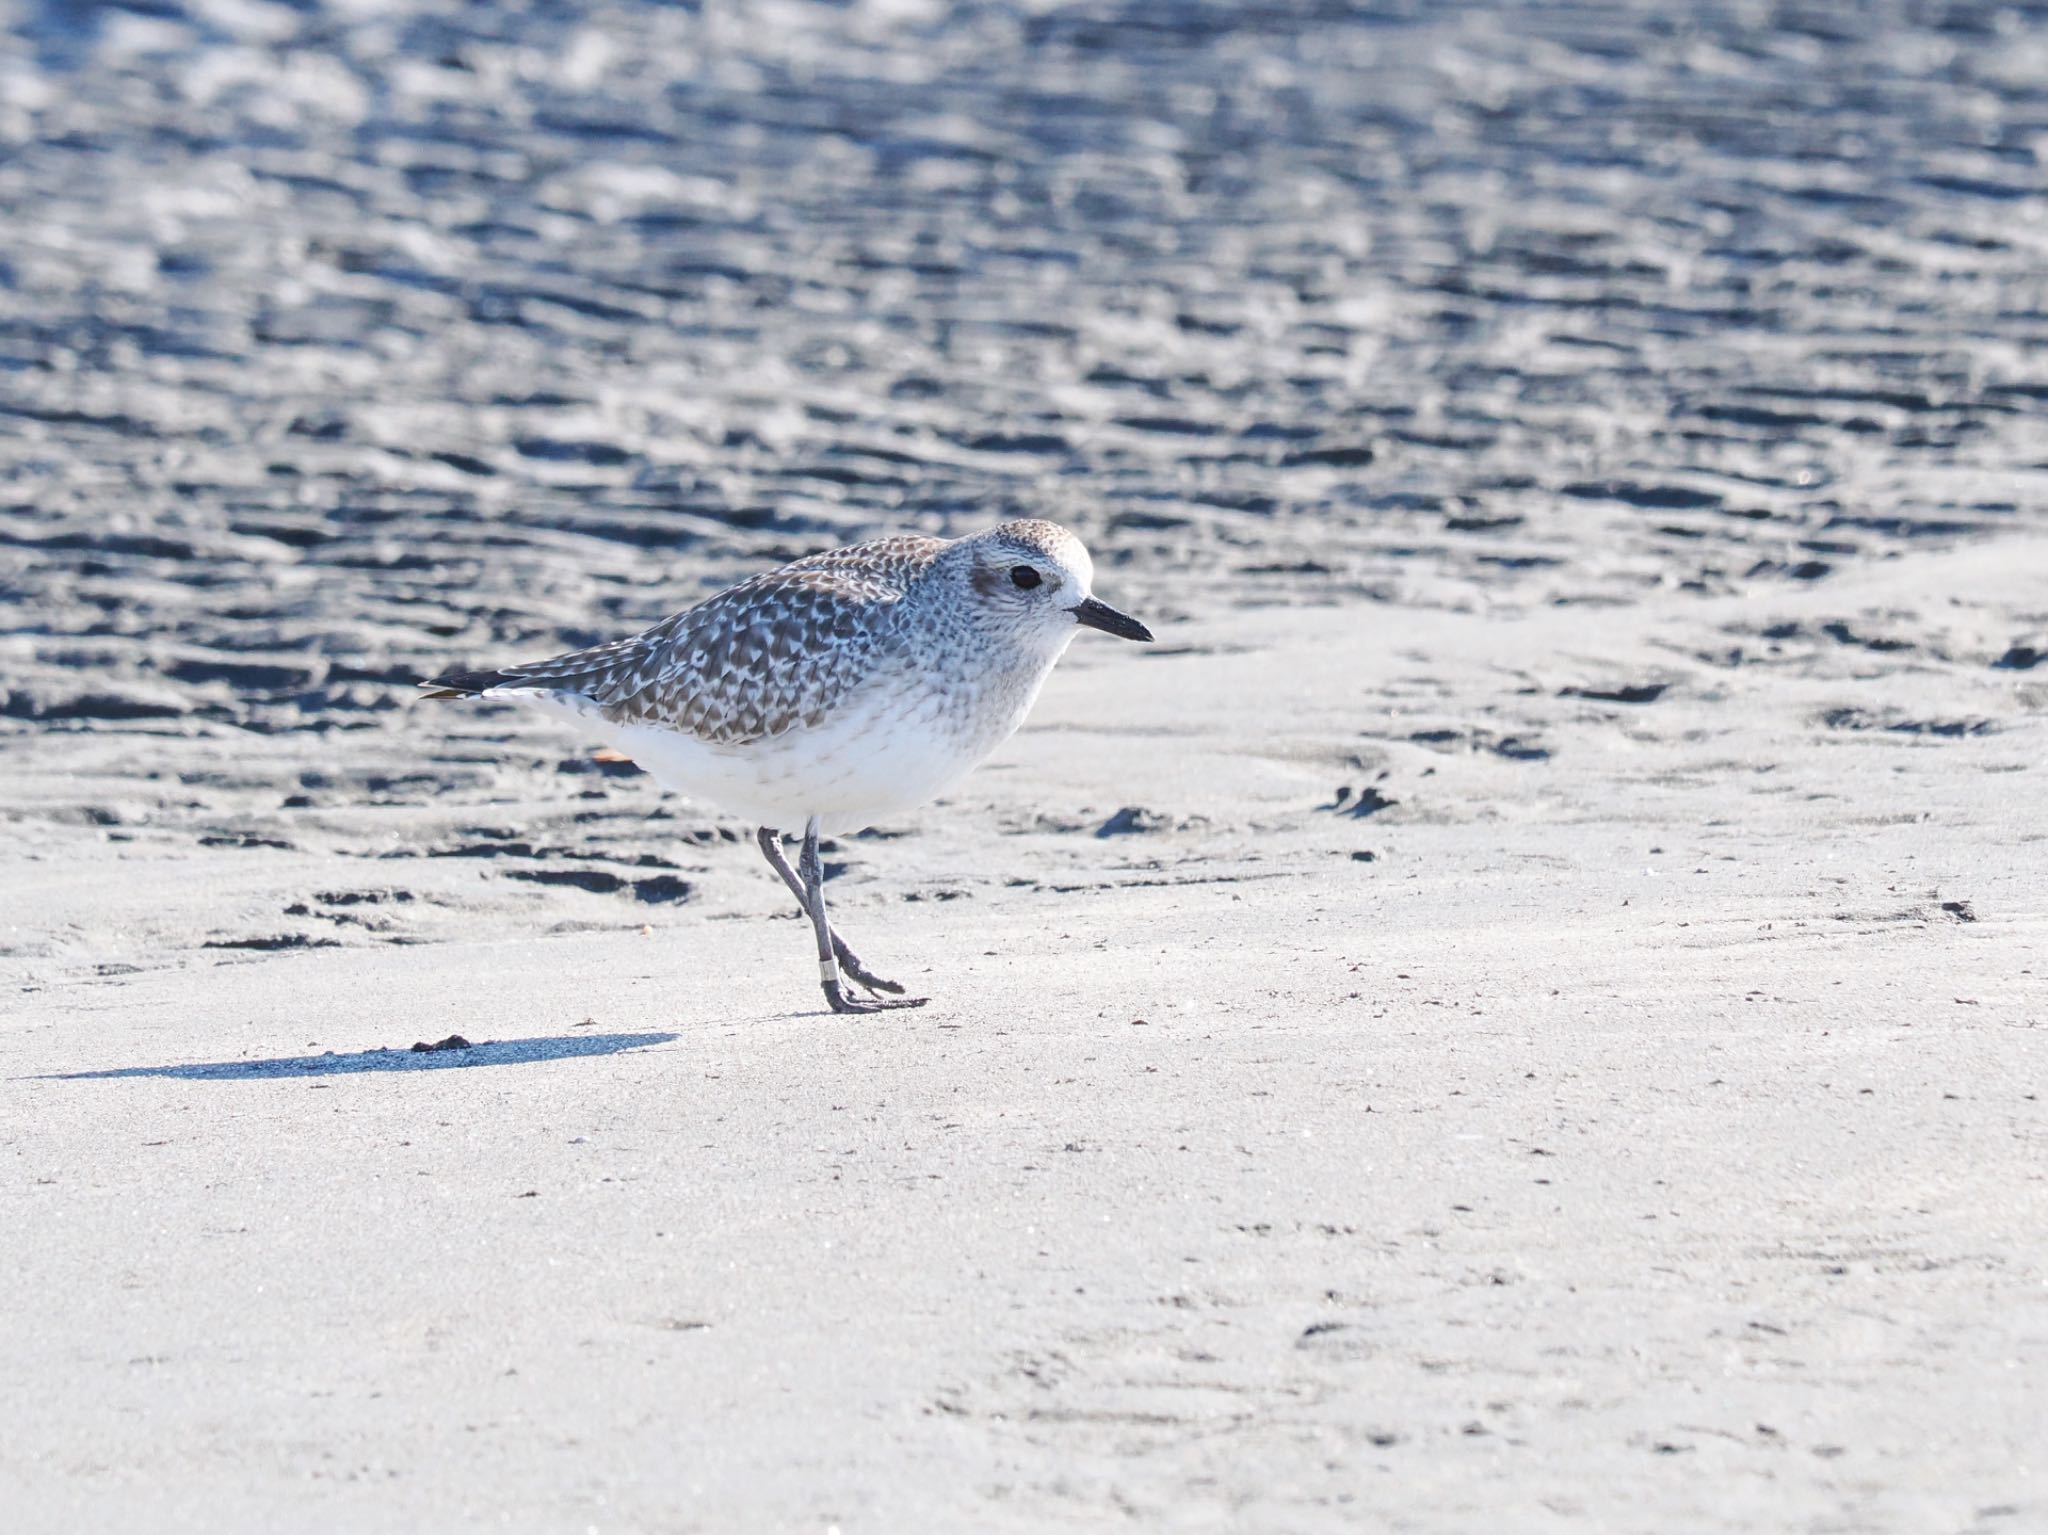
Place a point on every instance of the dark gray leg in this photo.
(771, 847)
(812, 870)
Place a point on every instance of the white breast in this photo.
(896, 742)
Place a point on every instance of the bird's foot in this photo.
(849, 962)
(842, 1003)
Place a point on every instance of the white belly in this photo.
(889, 750)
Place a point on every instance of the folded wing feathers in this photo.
(754, 661)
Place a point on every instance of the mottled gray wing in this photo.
(761, 658)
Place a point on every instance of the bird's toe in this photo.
(842, 1003)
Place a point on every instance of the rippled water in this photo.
(342, 343)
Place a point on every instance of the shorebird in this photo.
(832, 692)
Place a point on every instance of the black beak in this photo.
(1100, 615)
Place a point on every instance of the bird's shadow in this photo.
(501, 1052)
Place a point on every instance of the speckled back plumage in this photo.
(759, 659)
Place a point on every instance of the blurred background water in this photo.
(340, 342)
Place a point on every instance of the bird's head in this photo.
(1033, 580)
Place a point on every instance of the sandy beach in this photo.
(1522, 1010)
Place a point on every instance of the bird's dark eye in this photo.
(1025, 576)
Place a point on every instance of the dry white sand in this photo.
(1646, 1137)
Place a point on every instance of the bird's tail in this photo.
(467, 684)
(581, 673)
